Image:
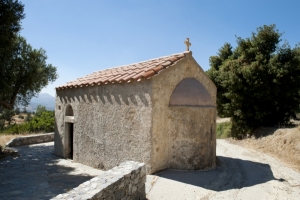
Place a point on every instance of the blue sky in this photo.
(81, 37)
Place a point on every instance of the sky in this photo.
(81, 37)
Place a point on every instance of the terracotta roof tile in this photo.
(158, 68)
(127, 73)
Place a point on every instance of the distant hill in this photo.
(43, 99)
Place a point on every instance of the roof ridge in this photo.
(185, 52)
(127, 73)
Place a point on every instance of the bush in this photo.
(21, 117)
(39, 110)
(28, 117)
(258, 81)
(7, 115)
(2, 124)
(17, 111)
(224, 130)
(43, 123)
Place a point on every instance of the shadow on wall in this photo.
(57, 141)
(230, 174)
(119, 98)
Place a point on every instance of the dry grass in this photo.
(281, 143)
(7, 152)
(18, 120)
(5, 138)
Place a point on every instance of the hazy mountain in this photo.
(43, 99)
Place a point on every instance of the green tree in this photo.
(216, 62)
(24, 71)
(24, 110)
(39, 110)
(17, 110)
(2, 124)
(28, 117)
(7, 115)
(258, 82)
(25, 74)
(44, 122)
(11, 14)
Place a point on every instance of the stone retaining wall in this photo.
(126, 181)
(31, 139)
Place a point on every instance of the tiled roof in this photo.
(126, 73)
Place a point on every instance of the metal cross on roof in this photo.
(188, 44)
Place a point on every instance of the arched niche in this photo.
(69, 111)
(190, 92)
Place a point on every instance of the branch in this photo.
(7, 105)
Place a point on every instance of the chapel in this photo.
(161, 112)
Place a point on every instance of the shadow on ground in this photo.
(36, 175)
(231, 173)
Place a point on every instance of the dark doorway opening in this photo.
(71, 139)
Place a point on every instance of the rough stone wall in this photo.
(127, 181)
(112, 123)
(30, 139)
(183, 137)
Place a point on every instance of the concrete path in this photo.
(39, 174)
(242, 174)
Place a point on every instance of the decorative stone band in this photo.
(126, 181)
(31, 139)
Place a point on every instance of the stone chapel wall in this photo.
(112, 123)
(183, 137)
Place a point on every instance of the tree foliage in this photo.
(39, 110)
(44, 122)
(258, 82)
(11, 14)
(24, 71)
(7, 115)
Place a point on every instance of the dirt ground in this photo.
(280, 143)
(5, 138)
(242, 173)
(18, 120)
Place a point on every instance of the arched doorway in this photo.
(69, 131)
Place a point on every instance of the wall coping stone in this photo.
(31, 139)
(126, 181)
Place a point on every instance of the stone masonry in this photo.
(30, 139)
(125, 182)
(160, 112)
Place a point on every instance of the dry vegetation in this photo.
(5, 138)
(281, 143)
(18, 120)
(7, 152)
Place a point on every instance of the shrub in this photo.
(2, 124)
(224, 130)
(258, 81)
(43, 123)
(7, 115)
(28, 117)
